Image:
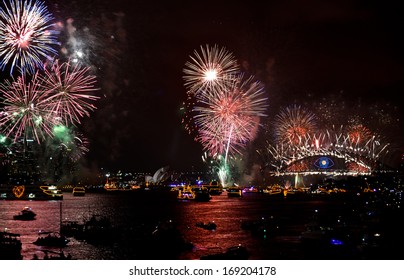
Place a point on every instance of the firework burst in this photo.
(224, 107)
(212, 67)
(292, 124)
(27, 36)
(359, 133)
(69, 90)
(26, 110)
(228, 118)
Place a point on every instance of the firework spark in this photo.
(211, 68)
(69, 90)
(187, 115)
(27, 36)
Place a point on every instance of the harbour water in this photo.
(370, 226)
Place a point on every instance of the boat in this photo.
(201, 194)
(288, 191)
(251, 189)
(273, 190)
(207, 226)
(110, 186)
(26, 214)
(234, 192)
(52, 239)
(165, 241)
(10, 246)
(79, 191)
(72, 228)
(52, 192)
(95, 230)
(214, 188)
(98, 230)
(186, 194)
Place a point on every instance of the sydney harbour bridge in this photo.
(327, 155)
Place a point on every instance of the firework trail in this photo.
(26, 112)
(222, 169)
(27, 36)
(293, 123)
(211, 68)
(69, 89)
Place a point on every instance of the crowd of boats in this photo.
(186, 192)
(10, 243)
(367, 230)
(95, 230)
(205, 192)
(99, 230)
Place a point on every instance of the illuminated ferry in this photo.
(186, 193)
(110, 186)
(52, 192)
(273, 190)
(214, 188)
(234, 192)
(79, 191)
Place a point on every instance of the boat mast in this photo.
(60, 217)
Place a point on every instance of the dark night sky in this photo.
(353, 48)
(298, 49)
